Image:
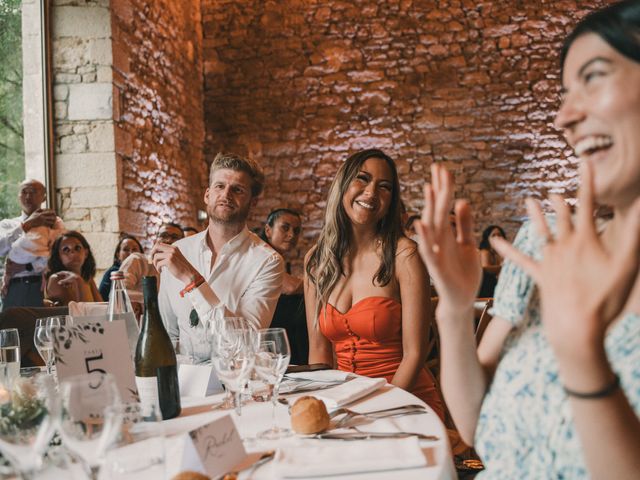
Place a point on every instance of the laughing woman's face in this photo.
(600, 116)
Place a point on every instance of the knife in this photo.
(373, 435)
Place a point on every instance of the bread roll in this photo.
(309, 415)
(188, 475)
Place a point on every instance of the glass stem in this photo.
(274, 401)
(238, 401)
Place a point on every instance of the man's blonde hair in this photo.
(239, 164)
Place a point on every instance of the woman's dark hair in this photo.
(123, 237)
(275, 215)
(55, 264)
(617, 24)
(410, 221)
(486, 233)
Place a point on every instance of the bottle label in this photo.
(148, 393)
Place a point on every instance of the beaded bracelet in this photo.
(193, 285)
(604, 392)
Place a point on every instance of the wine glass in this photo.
(232, 356)
(43, 337)
(9, 356)
(89, 422)
(218, 335)
(271, 362)
(139, 445)
(29, 412)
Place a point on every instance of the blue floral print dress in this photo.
(525, 429)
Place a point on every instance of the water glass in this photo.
(9, 357)
(90, 423)
(271, 361)
(232, 357)
(29, 412)
(140, 445)
(43, 337)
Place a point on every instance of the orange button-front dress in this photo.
(368, 341)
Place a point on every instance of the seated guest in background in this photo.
(127, 245)
(26, 242)
(137, 265)
(224, 271)
(553, 389)
(70, 271)
(281, 231)
(188, 231)
(366, 290)
(409, 229)
(490, 260)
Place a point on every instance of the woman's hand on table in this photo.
(449, 250)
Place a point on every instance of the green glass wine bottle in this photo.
(155, 361)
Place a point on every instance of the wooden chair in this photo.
(483, 322)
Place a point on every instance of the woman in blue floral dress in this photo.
(553, 390)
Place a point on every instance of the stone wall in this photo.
(128, 121)
(159, 134)
(86, 175)
(302, 84)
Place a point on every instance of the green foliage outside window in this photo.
(12, 169)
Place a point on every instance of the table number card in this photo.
(198, 381)
(96, 347)
(217, 446)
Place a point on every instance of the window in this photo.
(25, 135)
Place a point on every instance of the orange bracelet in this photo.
(193, 285)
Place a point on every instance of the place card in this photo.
(198, 381)
(96, 348)
(214, 448)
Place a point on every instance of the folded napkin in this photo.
(85, 309)
(321, 375)
(349, 391)
(327, 457)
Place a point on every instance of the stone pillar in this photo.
(85, 159)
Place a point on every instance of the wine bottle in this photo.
(156, 367)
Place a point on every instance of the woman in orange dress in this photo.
(366, 290)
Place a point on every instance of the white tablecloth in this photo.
(256, 417)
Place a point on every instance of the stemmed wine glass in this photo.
(271, 361)
(90, 423)
(29, 412)
(9, 356)
(232, 356)
(43, 337)
(140, 444)
(219, 329)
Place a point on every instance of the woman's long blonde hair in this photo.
(325, 264)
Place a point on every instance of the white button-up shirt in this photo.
(32, 247)
(246, 280)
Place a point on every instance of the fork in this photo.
(383, 413)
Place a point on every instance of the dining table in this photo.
(256, 416)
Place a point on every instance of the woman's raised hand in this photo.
(583, 285)
(449, 251)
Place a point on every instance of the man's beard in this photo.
(233, 217)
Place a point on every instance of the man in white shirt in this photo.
(225, 270)
(26, 242)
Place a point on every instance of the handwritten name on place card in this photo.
(218, 445)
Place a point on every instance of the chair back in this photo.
(483, 322)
